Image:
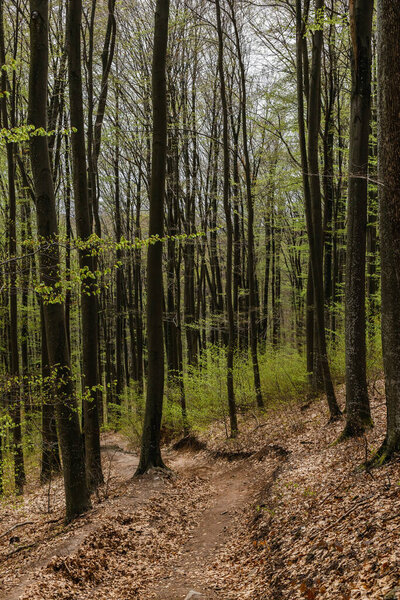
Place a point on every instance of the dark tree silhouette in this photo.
(87, 260)
(358, 414)
(389, 194)
(76, 491)
(150, 455)
(229, 228)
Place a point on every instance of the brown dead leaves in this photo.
(127, 550)
(318, 527)
(324, 529)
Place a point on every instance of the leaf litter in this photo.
(302, 521)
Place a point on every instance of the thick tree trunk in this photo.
(389, 194)
(150, 455)
(358, 414)
(76, 491)
(87, 259)
(15, 388)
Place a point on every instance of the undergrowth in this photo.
(284, 380)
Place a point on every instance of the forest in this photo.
(199, 299)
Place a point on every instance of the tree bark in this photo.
(76, 491)
(50, 459)
(358, 414)
(389, 193)
(312, 188)
(229, 229)
(15, 395)
(119, 283)
(150, 455)
(87, 259)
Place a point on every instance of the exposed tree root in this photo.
(388, 450)
(189, 442)
(354, 430)
(152, 465)
(335, 418)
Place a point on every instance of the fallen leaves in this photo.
(316, 527)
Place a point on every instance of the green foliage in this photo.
(23, 133)
(283, 379)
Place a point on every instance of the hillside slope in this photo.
(279, 513)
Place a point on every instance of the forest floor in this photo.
(279, 513)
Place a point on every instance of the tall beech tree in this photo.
(150, 455)
(229, 228)
(87, 259)
(215, 160)
(76, 491)
(15, 396)
(311, 183)
(358, 414)
(388, 48)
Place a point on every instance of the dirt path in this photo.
(209, 495)
(189, 573)
(124, 463)
(245, 521)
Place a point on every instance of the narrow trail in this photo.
(188, 573)
(222, 490)
(250, 520)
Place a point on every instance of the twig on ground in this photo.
(21, 548)
(16, 526)
(346, 514)
(335, 489)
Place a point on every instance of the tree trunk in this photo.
(15, 388)
(137, 278)
(25, 281)
(76, 491)
(150, 455)
(87, 259)
(389, 193)
(119, 283)
(312, 189)
(372, 222)
(358, 414)
(50, 459)
(229, 229)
